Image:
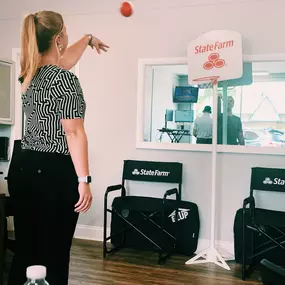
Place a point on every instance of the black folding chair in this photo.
(271, 273)
(267, 225)
(138, 220)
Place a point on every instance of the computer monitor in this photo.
(185, 94)
(168, 115)
(184, 116)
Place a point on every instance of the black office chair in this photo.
(140, 221)
(266, 225)
(271, 273)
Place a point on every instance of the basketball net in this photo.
(206, 82)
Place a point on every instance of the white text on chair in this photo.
(276, 181)
(181, 215)
(150, 172)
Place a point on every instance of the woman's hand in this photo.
(99, 45)
(85, 198)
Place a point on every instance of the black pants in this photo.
(44, 190)
(203, 141)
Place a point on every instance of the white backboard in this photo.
(215, 53)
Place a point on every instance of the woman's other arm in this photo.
(78, 148)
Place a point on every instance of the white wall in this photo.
(162, 99)
(148, 95)
(159, 28)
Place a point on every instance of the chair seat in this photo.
(269, 217)
(138, 203)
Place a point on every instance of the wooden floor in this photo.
(130, 267)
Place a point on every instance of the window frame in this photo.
(11, 119)
(141, 144)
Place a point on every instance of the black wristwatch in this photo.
(90, 37)
(86, 179)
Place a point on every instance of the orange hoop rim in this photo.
(213, 79)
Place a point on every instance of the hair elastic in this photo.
(35, 19)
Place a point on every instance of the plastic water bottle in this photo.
(36, 275)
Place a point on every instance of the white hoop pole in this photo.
(214, 161)
(225, 114)
(211, 254)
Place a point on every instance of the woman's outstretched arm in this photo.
(75, 51)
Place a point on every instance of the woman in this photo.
(52, 183)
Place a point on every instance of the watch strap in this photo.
(86, 179)
(90, 37)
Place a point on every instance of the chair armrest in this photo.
(171, 192)
(115, 188)
(249, 201)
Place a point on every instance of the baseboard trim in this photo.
(90, 232)
(225, 248)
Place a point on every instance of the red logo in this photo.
(214, 60)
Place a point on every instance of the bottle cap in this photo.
(36, 272)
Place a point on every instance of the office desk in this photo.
(175, 135)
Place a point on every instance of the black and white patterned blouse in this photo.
(53, 94)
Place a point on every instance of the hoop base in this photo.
(210, 255)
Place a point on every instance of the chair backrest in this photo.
(153, 171)
(267, 179)
(271, 274)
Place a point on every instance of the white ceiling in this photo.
(15, 9)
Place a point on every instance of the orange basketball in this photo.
(126, 9)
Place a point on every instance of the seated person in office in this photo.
(234, 126)
(203, 127)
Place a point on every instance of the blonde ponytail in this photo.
(29, 51)
(38, 32)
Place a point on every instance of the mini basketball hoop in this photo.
(213, 56)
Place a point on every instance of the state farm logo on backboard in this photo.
(216, 53)
(214, 60)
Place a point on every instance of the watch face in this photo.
(89, 179)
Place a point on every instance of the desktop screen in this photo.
(185, 94)
(184, 116)
(168, 115)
